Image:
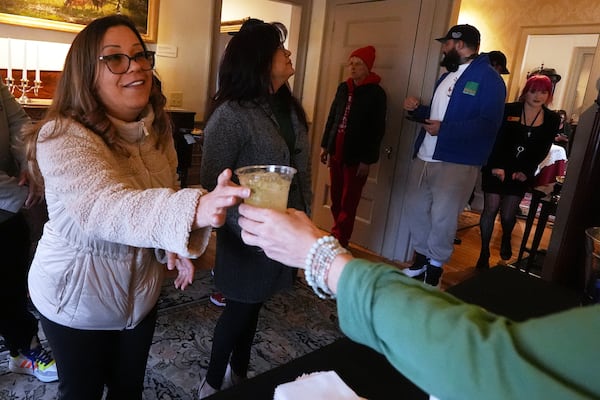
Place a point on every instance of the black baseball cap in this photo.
(466, 33)
(498, 58)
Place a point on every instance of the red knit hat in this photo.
(367, 54)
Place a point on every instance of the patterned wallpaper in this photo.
(502, 23)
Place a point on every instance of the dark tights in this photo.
(508, 206)
(233, 336)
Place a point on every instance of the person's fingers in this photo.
(217, 220)
(30, 200)
(249, 211)
(230, 195)
(249, 225)
(224, 177)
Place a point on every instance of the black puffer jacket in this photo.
(366, 122)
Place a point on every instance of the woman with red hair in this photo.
(524, 139)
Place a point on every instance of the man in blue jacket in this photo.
(455, 140)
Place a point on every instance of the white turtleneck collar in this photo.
(134, 131)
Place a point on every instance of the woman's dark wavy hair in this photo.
(76, 96)
(245, 69)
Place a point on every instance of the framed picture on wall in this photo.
(73, 15)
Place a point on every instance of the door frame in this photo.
(513, 84)
(300, 58)
(576, 74)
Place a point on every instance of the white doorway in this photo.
(557, 47)
(294, 14)
(571, 56)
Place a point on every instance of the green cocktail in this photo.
(269, 185)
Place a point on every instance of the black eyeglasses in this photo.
(119, 63)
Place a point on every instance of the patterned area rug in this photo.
(293, 323)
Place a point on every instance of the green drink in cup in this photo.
(269, 185)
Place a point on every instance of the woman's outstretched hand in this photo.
(284, 236)
(212, 207)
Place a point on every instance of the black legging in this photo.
(508, 206)
(17, 325)
(233, 336)
(87, 360)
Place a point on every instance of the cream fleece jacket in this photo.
(96, 264)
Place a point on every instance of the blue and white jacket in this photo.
(473, 116)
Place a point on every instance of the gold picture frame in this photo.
(149, 32)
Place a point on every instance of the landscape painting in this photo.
(73, 15)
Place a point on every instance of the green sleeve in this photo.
(454, 350)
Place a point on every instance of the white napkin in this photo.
(325, 385)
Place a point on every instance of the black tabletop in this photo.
(364, 370)
(515, 294)
(502, 290)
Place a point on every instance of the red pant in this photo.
(346, 189)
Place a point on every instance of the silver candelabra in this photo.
(23, 88)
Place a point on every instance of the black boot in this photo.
(505, 248)
(484, 261)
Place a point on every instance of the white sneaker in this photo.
(433, 276)
(414, 271)
(218, 299)
(418, 267)
(37, 362)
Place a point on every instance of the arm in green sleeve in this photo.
(454, 350)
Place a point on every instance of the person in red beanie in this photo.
(352, 138)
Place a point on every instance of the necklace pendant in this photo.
(528, 133)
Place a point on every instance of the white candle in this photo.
(37, 62)
(9, 68)
(24, 76)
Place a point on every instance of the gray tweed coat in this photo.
(236, 136)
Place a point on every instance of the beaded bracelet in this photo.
(318, 262)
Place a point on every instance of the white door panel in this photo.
(390, 26)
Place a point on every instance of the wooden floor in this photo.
(462, 263)
(460, 266)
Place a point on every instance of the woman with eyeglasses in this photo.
(105, 154)
(255, 121)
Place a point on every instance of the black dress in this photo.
(518, 148)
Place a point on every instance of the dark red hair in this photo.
(537, 83)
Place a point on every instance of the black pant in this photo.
(17, 325)
(233, 337)
(89, 359)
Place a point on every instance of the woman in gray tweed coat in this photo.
(255, 120)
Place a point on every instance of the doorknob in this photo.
(388, 152)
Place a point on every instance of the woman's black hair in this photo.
(245, 69)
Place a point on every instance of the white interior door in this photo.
(390, 26)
